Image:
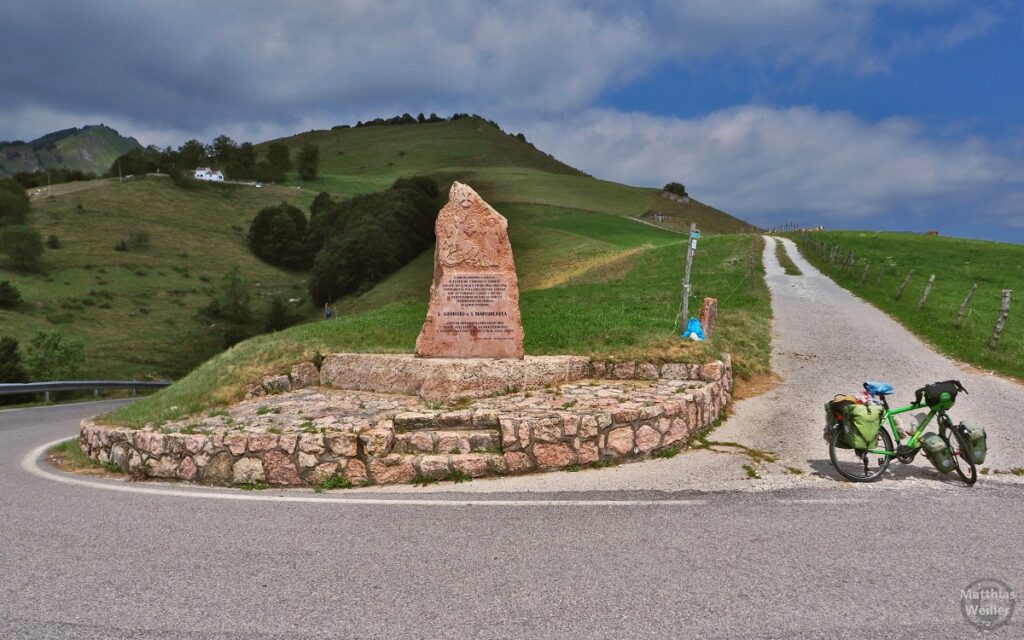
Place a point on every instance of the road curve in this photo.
(636, 550)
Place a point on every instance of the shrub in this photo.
(278, 315)
(14, 203)
(278, 235)
(9, 295)
(53, 242)
(54, 356)
(232, 297)
(279, 158)
(23, 246)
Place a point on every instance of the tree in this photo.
(232, 297)
(9, 295)
(278, 315)
(11, 368)
(192, 154)
(54, 356)
(308, 162)
(279, 157)
(278, 235)
(222, 150)
(14, 203)
(23, 246)
(676, 188)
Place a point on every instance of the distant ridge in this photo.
(90, 149)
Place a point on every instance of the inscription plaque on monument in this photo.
(474, 299)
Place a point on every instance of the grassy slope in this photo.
(501, 168)
(957, 264)
(625, 312)
(150, 328)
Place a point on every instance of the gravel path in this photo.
(825, 341)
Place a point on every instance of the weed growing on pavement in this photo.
(666, 453)
(334, 482)
(751, 472)
(460, 476)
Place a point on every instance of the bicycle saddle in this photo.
(879, 388)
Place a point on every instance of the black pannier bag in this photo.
(939, 395)
(834, 417)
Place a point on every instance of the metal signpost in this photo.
(684, 312)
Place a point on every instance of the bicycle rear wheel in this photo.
(965, 467)
(857, 465)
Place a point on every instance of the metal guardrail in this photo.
(13, 389)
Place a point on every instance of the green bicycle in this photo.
(866, 460)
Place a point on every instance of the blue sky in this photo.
(894, 114)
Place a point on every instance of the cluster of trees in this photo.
(352, 244)
(37, 179)
(676, 188)
(21, 244)
(407, 119)
(50, 356)
(238, 161)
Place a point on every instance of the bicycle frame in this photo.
(890, 415)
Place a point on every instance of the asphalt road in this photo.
(652, 550)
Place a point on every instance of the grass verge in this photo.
(785, 261)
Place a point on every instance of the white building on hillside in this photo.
(208, 174)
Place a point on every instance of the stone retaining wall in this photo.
(293, 432)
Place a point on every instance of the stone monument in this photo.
(474, 299)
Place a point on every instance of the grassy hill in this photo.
(502, 168)
(91, 149)
(137, 310)
(957, 264)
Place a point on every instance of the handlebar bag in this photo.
(940, 395)
(861, 423)
(937, 451)
(976, 441)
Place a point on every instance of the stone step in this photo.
(445, 420)
(398, 468)
(448, 441)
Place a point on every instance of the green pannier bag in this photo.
(937, 451)
(861, 423)
(976, 441)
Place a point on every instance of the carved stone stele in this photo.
(474, 299)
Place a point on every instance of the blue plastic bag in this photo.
(878, 388)
(693, 327)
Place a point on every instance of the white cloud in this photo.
(195, 64)
(761, 162)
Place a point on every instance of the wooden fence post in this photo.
(881, 272)
(963, 306)
(848, 261)
(899, 294)
(1004, 312)
(927, 290)
(864, 276)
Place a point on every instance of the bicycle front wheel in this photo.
(857, 465)
(957, 446)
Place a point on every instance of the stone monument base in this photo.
(368, 419)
